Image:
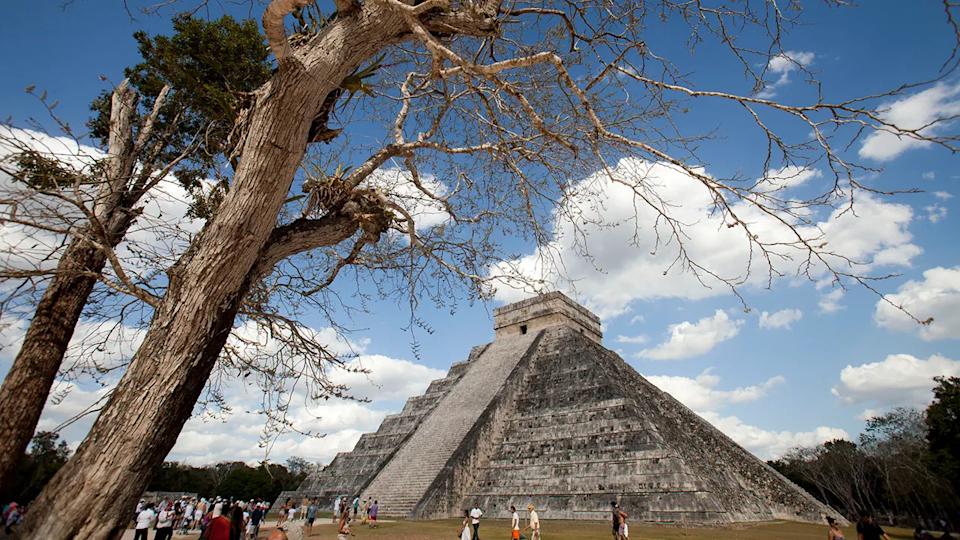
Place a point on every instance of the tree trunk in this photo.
(91, 496)
(27, 384)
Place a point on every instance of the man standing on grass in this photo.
(475, 515)
(514, 523)
(336, 508)
(534, 525)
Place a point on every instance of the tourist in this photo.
(311, 514)
(366, 510)
(534, 523)
(217, 527)
(624, 528)
(237, 523)
(475, 516)
(356, 506)
(198, 514)
(291, 513)
(283, 514)
(465, 526)
(303, 508)
(187, 516)
(373, 515)
(615, 516)
(144, 520)
(336, 508)
(867, 529)
(343, 529)
(165, 523)
(255, 518)
(514, 523)
(12, 515)
(834, 532)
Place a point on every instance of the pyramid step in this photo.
(417, 463)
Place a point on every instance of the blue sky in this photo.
(769, 386)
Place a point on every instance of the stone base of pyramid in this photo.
(546, 415)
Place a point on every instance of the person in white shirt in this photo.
(534, 523)
(144, 520)
(514, 523)
(165, 523)
(336, 509)
(475, 515)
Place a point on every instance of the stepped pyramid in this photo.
(545, 414)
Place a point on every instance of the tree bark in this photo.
(92, 494)
(27, 384)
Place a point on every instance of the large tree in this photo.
(170, 117)
(508, 101)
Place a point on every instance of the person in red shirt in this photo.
(218, 529)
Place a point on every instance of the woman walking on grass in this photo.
(465, 526)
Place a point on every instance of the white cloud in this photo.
(701, 393)
(897, 380)
(937, 296)
(929, 175)
(787, 177)
(398, 184)
(830, 302)
(341, 422)
(153, 243)
(768, 444)
(693, 339)
(943, 195)
(634, 340)
(238, 434)
(780, 319)
(782, 65)
(389, 378)
(927, 109)
(936, 212)
(609, 249)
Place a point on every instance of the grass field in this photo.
(586, 530)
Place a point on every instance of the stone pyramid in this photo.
(545, 414)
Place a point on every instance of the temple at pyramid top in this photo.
(546, 415)
(539, 312)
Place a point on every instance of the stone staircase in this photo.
(405, 479)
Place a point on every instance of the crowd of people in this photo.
(365, 510)
(215, 519)
(307, 512)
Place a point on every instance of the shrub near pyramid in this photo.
(546, 415)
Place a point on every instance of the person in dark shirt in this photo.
(255, 518)
(867, 529)
(615, 516)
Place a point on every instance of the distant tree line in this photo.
(235, 479)
(905, 467)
